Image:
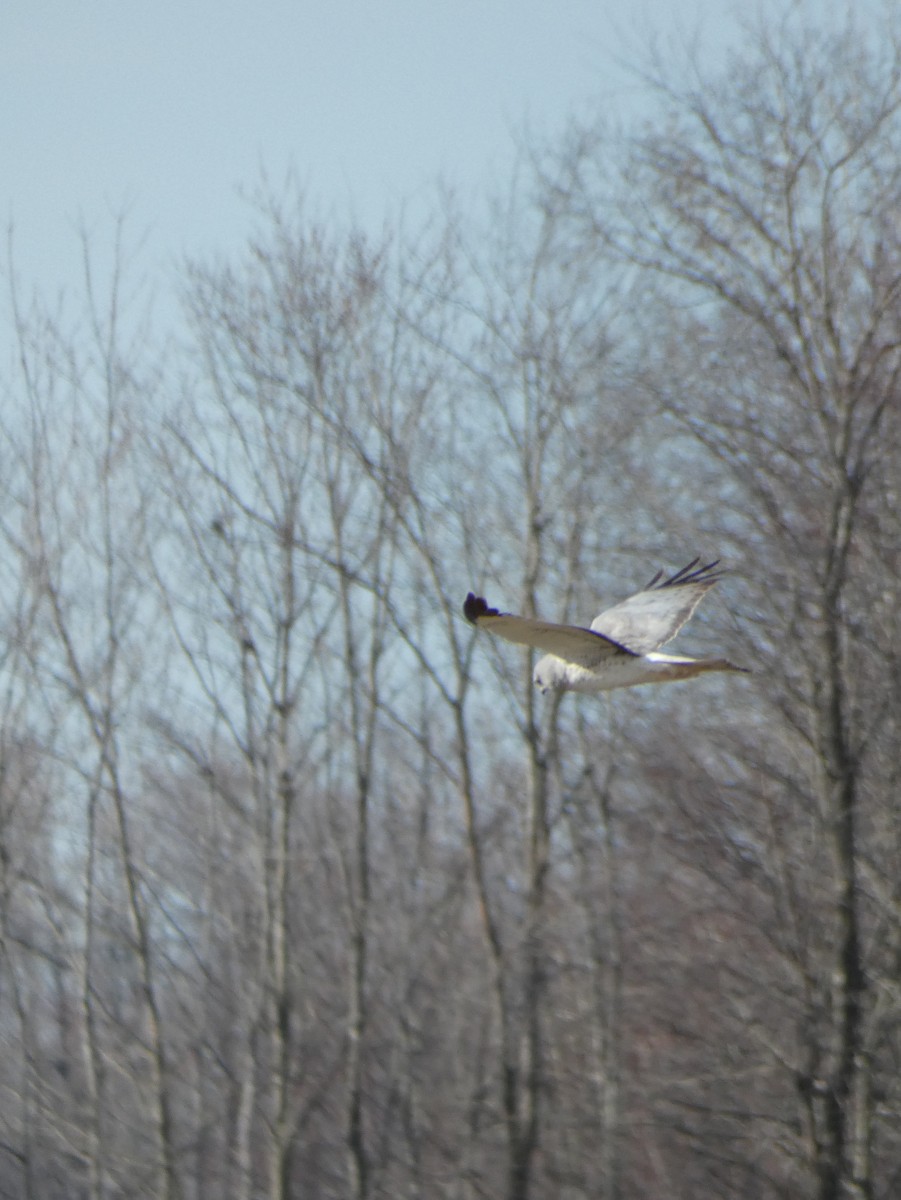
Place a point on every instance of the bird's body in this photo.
(551, 673)
(622, 646)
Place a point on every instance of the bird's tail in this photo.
(670, 667)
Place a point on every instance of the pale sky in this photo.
(170, 107)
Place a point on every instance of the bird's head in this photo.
(548, 674)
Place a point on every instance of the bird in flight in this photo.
(622, 646)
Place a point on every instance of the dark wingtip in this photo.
(653, 582)
(475, 607)
(691, 573)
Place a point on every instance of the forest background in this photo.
(304, 890)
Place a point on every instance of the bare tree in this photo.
(526, 341)
(79, 523)
(771, 198)
(293, 542)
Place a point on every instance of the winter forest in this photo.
(305, 891)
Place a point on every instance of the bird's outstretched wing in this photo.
(569, 642)
(654, 616)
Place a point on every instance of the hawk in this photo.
(622, 646)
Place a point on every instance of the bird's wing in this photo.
(569, 642)
(652, 617)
